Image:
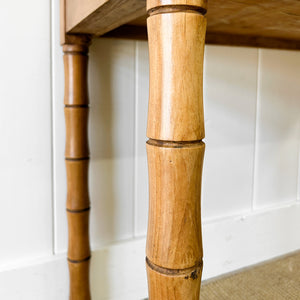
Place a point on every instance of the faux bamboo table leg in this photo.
(176, 32)
(77, 160)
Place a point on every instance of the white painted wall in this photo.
(250, 183)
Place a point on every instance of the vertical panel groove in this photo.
(278, 133)
(256, 128)
(135, 140)
(51, 60)
(298, 177)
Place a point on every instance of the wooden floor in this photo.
(276, 280)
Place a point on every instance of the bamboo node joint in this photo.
(77, 159)
(79, 261)
(192, 272)
(78, 211)
(175, 144)
(177, 8)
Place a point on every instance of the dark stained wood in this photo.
(79, 280)
(268, 23)
(128, 32)
(77, 158)
(251, 41)
(140, 33)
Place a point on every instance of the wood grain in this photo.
(77, 185)
(253, 22)
(78, 10)
(185, 285)
(76, 132)
(176, 47)
(268, 18)
(107, 15)
(77, 156)
(174, 225)
(78, 226)
(240, 40)
(79, 280)
(268, 24)
(138, 32)
(76, 71)
(175, 150)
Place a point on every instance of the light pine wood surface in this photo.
(100, 16)
(176, 46)
(174, 224)
(175, 149)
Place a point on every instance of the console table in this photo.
(177, 30)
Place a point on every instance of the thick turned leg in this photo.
(176, 31)
(77, 160)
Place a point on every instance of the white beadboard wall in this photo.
(251, 180)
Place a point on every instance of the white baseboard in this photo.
(238, 242)
(45, 279)
(118, 271)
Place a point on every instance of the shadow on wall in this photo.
(101, 149)
(111, 134)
